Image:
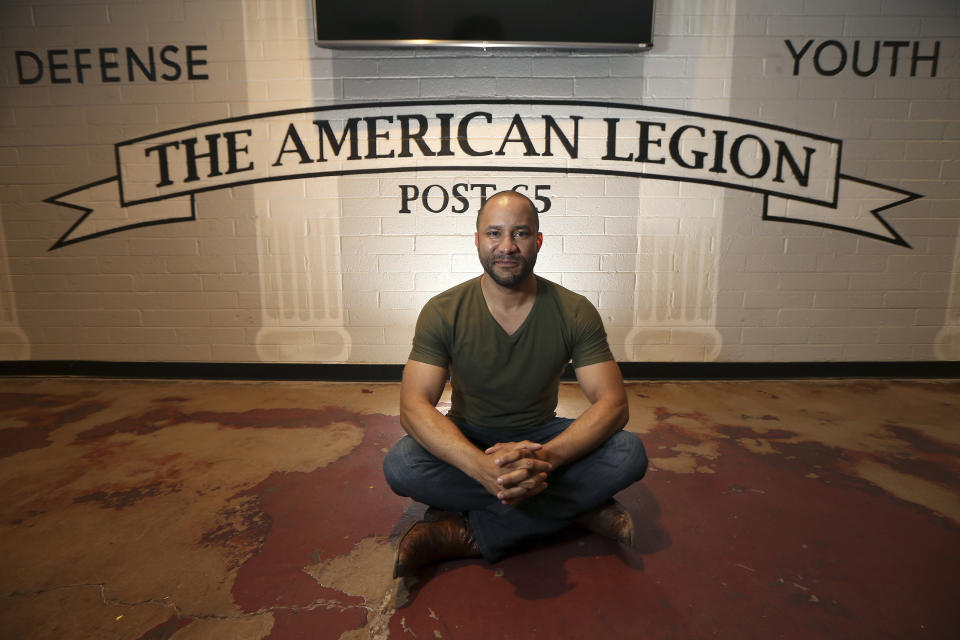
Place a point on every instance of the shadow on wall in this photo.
(795, 292)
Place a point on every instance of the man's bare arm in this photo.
(420, 389)
(609, 412)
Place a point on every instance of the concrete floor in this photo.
(241, 510)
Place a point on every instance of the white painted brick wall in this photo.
(273, 271)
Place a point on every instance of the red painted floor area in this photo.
(177, 510)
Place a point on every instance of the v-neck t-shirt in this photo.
(502, 380)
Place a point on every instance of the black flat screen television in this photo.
(608, 25)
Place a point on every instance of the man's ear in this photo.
(476, 239)
(539, 240)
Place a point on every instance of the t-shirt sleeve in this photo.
(590, 339)
(430, 344)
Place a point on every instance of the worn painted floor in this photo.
(148, 510)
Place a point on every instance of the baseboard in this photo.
(392, 372)
(787, 370)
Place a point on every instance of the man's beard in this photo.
(509, 279)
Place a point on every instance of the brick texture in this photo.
(335, 269)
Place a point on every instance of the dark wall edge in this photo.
(392, 372)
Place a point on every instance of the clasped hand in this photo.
(518, 471)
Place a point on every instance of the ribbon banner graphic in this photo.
(798, 173)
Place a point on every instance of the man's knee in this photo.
(632, 454)
(396, 466)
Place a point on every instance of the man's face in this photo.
(507, 240)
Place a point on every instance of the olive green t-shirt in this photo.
(508, 381)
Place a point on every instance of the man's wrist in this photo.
(549, 454)
(476, 466)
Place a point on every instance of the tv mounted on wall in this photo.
(600, 25)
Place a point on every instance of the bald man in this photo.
(500, 470)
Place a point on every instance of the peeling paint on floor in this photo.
(182, 510)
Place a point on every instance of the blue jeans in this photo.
(500, 529)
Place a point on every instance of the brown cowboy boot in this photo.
(425, 543)
(610, 520)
